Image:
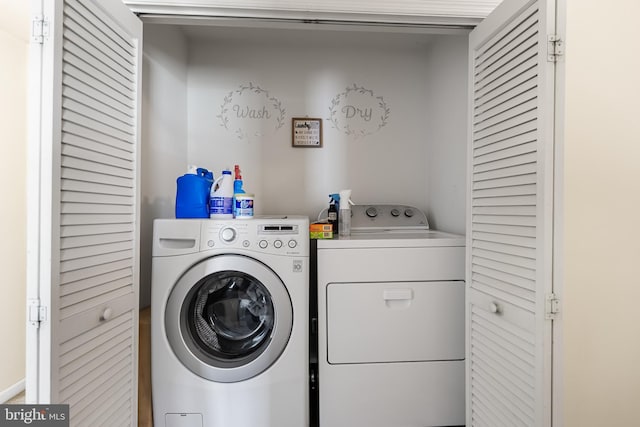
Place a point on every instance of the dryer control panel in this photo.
(377, 217)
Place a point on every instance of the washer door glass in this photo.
(228, 318)
(230, 315)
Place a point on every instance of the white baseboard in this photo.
(7, 394)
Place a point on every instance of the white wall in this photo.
(14, 41)
(601, 196)
(447, 80)
(305, 70)
(164, 134)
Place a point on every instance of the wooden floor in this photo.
(16, 400)
(145, 416)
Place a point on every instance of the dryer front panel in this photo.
(383, 322)
(228, 318)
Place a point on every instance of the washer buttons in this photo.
(292, 244)
(246, 243)
(277, 244)
(210, 243)
(263, 244)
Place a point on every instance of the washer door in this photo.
(228, 318)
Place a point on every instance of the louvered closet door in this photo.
(509, 221)
(89, 210)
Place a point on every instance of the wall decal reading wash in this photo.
(358, 112)
(250, 110)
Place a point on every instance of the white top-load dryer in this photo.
(391, 322)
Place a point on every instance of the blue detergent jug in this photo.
(192, 195)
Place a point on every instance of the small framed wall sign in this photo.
(306, 132)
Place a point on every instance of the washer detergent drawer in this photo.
(395, 322)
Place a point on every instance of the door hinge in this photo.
(37, 313)
(551, 306)
(555, 48)
(39, 29)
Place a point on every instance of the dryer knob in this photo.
(408, 213)
(371, 212)
(228, 234)
(395, 212)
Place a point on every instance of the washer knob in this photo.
(408, 213)
(395, 212)
(277, 244)
(292, 243)
(371, 212)
(228, 234)
(263, 244)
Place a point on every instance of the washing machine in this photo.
(391, 334)
(229, 322)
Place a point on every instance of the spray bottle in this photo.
(237, 188)
(333, 212)
(344, 217)
(237, 181)
(242, 201)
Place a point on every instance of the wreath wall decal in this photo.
(247, 104)
(358, 112)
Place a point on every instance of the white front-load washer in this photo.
(391, 322)
(229, 322)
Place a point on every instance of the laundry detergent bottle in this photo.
(192, 193)
(221, 200)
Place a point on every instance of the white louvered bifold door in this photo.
(509, 229)
(88, 204)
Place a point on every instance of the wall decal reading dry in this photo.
(250, 110)
(358, 112)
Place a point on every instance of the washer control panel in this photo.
(285, 236)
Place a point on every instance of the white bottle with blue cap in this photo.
(221, 201)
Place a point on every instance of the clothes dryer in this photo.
(229, 322)
(391, 322)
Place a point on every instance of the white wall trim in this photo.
(430, 12)
(558, 347)
(12, 391)
(451, 8)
